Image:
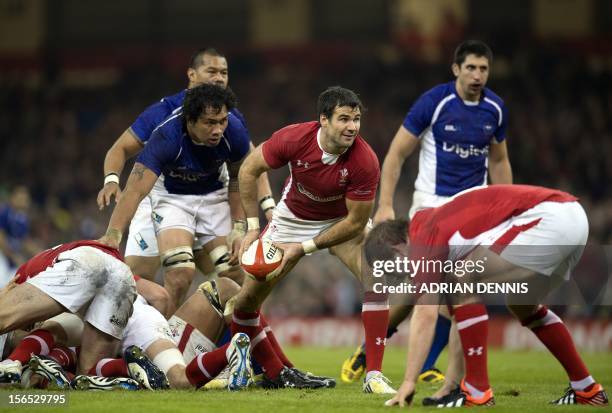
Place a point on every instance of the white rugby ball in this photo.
(261, 261)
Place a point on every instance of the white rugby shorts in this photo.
(145, 326)
(286, 227)
(189, 340)
(423, 200)
(141, 241)
(547, 239)
(205, 216)
(88, 281)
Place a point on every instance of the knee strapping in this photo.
(180, 257)
(220, 257)
(169, 358)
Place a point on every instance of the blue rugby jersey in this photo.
(189, 168)
(155, 114)
(455, 137)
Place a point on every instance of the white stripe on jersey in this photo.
(166, 121)
(428, 164)
(496, 106)
(440, 106)
(227, 143)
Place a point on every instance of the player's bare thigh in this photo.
(349, 253)
(14, 313)
(175, 248)
(174, 237)
(145, 267)
(499, 270)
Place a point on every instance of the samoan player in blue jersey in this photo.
(461, 128)
(181, 169)
(141, 252)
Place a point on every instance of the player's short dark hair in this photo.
(337, 96)
(383, 237)
(197, 58)
(475, 47)
(199, 98)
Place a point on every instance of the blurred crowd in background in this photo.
(53, 138)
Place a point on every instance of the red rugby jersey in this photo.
(316, 190)
(45, 259)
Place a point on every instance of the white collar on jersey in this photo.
(327, 158)
(471, 102)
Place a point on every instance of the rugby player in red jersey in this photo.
(326, 203)
(523, 234)
(83, 277)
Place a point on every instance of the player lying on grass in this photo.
(194, 328)
(149, 330)
(524, 234)
(83, 277)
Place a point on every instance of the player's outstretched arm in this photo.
(236, 212)
(402, 146)
(348, 228)
(252, 168)
(124, 148)
(422, 327)
(500, 171)
(139, 184)
(264, 192)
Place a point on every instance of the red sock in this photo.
(375, 317)
(473, 325)
(38, 342)
(110, 368)
(206, 366)
(65, 357)
(261, 349)
(554, 335)
(273, 342)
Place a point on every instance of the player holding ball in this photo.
(326, 203)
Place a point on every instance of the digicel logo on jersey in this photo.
(465, 151)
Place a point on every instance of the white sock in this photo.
(474, 392)
(580, 385)
(371, 374)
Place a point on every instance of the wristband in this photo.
(238, 231)
(111, 177)
(309, 246)
(240, 225)
(253, 223)
(266, 203)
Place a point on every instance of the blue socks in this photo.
(440, 341)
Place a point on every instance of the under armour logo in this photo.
(475, 351)
(381, 341)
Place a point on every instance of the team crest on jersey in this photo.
(342, 181)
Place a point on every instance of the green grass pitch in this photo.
(522, 382)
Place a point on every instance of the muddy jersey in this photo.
(47, 258)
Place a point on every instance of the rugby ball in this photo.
(261, 261)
